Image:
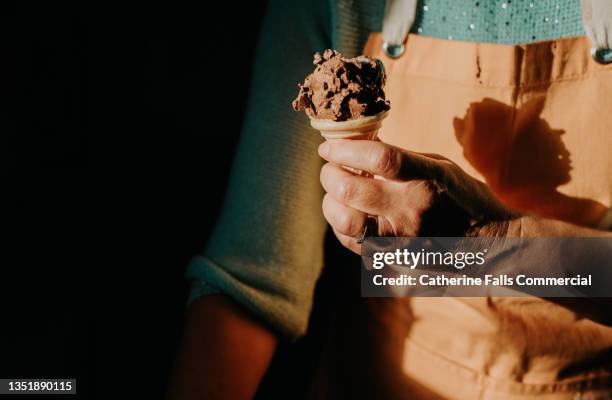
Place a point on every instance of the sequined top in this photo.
(499, 21)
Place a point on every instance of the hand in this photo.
(412, 194)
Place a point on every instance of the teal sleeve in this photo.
(266, 250)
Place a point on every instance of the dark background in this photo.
(111, 181)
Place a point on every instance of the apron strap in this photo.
(597, 16)
(399, 17)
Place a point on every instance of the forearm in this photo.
(225, 352)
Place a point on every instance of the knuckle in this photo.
(370, 195)
(386, 161)
(346, 190)
(426, 195)
(421, 195)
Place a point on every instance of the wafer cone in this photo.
(360, 128)
(364, 128)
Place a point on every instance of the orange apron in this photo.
(534, 122)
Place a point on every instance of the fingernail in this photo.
(324, 149)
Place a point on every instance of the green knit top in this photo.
(266, 251)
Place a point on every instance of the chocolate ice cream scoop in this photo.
(342, 89)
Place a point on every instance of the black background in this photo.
(111, 180)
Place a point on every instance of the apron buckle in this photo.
(393, 50)
(602, 55)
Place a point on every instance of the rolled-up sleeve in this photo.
(266, 251)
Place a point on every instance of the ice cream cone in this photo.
(364, 128)
(360, 128)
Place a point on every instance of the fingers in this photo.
(380, 159)
(364, 194)
(347, 223)
(349, 242)
(343, 219)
